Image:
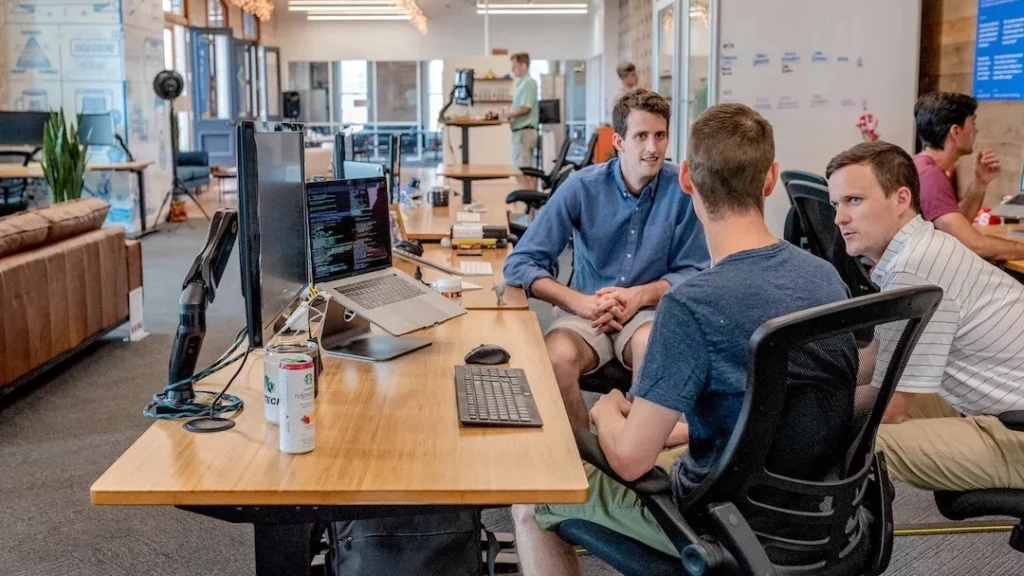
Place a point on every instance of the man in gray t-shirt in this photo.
(696, 358)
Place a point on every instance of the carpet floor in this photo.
(59, 435)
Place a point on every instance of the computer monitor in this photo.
(352, 170)
(273, 248)
(464, 86)
(549, 111)
(344, 150)
(96, 130)
(349, 227)
(22, 128)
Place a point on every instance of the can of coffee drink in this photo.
(295, 382)
(309, 348)
(271, 370)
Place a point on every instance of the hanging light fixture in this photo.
(415, 14)
(258, 8)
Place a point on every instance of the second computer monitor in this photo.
(22, 128)
(464, 86)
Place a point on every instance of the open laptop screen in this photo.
(349, 227)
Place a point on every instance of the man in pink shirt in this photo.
(946, 127)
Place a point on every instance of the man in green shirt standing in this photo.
(523, 116)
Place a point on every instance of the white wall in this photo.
(455, 32)
(604, 42)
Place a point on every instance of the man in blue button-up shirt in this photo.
(635, 235)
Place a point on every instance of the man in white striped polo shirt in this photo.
(971, 352)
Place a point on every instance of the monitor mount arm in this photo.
(451, 100)
(198, 291)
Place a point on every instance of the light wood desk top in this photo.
(35, 170)
(483, 299)
(432, 223)
(478, 171)
(386, 433)
(1010, 232)
(471, 122)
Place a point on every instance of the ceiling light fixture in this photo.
(528, 6)
(323, 17)
(493, 11)
(258, 8)
(348, 9)
(414, 12)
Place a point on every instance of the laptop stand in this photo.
(345, 334)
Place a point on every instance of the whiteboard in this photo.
(812, 67)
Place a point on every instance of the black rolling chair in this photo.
(588, 156)
(547, 178)
(793, 233)
(744, 519)
(13, 190)
(518, 222)
(817, 222)
(991, 502)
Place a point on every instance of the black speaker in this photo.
(292, 109)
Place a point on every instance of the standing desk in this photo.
(388, 443)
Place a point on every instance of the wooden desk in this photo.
(483, 299)
(388, 442)
(429, 223)
(465, 124)
(469, 173)
(1007, 231)
(35, 170)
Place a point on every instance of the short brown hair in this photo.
(625, 69)
(521, 57)
(891, 165)
(731, 150)
(639, 99)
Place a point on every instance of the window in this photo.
(168, 49)
(354, 92)
(250, 27)
(435, 94)
(174, 7)
(396, 92)
(537, 69)
(216, 14)
(312, 80)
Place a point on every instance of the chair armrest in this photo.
(530, 171)
(194, 158)
(654, 482)
(531, 198)
(1014, 420)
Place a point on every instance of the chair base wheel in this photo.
(1017, 537)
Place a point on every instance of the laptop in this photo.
(350, 253)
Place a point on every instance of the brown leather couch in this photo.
(64, 282)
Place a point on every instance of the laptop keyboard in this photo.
(381, 291)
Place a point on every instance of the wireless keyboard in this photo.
(495, 397)
(475, 268)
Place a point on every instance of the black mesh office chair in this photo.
(743, 519)
(518, 222)
(13, 190)
(817, 222)
(991, 502)
(792, 232)
(547, 178)
(588, 156)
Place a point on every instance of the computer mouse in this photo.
(411, 246)
(487, 354)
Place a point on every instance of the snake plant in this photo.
(63, 158)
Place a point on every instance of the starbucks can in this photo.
(295, 385)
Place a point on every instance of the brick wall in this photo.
(948, 29)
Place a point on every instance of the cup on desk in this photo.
(450, 287)
(438, 196)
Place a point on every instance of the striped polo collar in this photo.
(895, 247)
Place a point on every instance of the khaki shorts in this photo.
(524, 143)
(615, 507)
(606, 346)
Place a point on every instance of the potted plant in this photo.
(63, 158)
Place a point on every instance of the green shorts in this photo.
(615, 507)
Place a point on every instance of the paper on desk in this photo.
(465, 286)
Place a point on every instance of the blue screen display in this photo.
(999, 51)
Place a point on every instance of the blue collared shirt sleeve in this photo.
(547, 236)
(689, 250)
